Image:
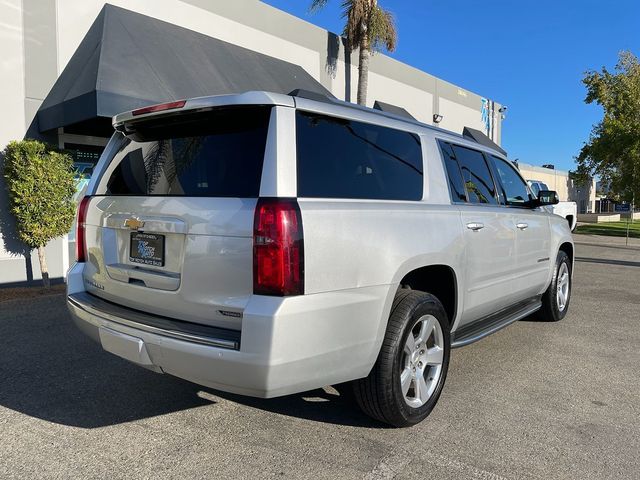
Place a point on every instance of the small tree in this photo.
(613, 149)
(40, 184)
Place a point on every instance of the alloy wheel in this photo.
(563, 291)
(422, 359)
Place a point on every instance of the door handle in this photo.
(522, 226)
(475, 226)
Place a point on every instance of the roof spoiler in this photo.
(479, 137)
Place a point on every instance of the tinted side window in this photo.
(514, 189)
(345, 159)
(217, 154)
(535, 188)
(476, 175)
(456, 185)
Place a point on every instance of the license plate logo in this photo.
(147, 248)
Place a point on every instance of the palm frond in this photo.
(154, 162)
(382, 30)
(366, 24)
(356, 15)
(317, 5)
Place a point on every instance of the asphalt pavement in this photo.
(535, 400)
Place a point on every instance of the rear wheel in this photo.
(555, 301)
(408, 376)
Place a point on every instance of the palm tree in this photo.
(368, 28)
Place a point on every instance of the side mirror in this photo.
(547, 197)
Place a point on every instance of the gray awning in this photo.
(128, 60)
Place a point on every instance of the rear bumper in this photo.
(287, 345)
(88, 307)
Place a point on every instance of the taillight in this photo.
(278, 248)
(159, 107)
(80, 235)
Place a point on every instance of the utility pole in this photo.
(633, 203)
(630, 219)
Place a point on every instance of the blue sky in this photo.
(529, 56)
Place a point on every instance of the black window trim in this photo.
(441, 141)
(489, 167)
(388, 123)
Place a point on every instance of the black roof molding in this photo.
(311, 95)
(479, 137)
(387, 107)
(380, 107)
(128, 60)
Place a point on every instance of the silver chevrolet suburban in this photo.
(268, 244)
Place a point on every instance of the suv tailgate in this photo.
(169, 230)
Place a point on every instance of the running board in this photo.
(491, 324)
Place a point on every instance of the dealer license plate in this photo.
(147, 248)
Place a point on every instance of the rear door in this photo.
(488, 233)
(532, 230)
(169, 228)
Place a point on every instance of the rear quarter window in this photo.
(218, 153)
(340, 158)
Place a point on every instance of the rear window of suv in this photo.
(217, 153)
(339, 158)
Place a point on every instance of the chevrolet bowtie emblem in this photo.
(133, 223)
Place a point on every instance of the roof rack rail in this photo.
(479, 137)
(387, 107)
(381, 108)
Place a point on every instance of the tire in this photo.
(553, 308)
(380, 395)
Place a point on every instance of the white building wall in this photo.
(394, 92)
(38, 38)
(456, 116)
(20, 97)
(561, 182)
(54, 29)
(12, 96)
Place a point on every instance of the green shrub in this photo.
(40, 185)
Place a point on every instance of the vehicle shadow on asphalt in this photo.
(334, 404)
(609, 245)
(624, 263)
(51, 371)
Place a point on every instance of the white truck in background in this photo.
(567, 210)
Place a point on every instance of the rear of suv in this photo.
(269, 244)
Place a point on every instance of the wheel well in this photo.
(438, 280)
(568, 249)
(570, 220)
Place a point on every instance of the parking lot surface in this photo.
(535, 400)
